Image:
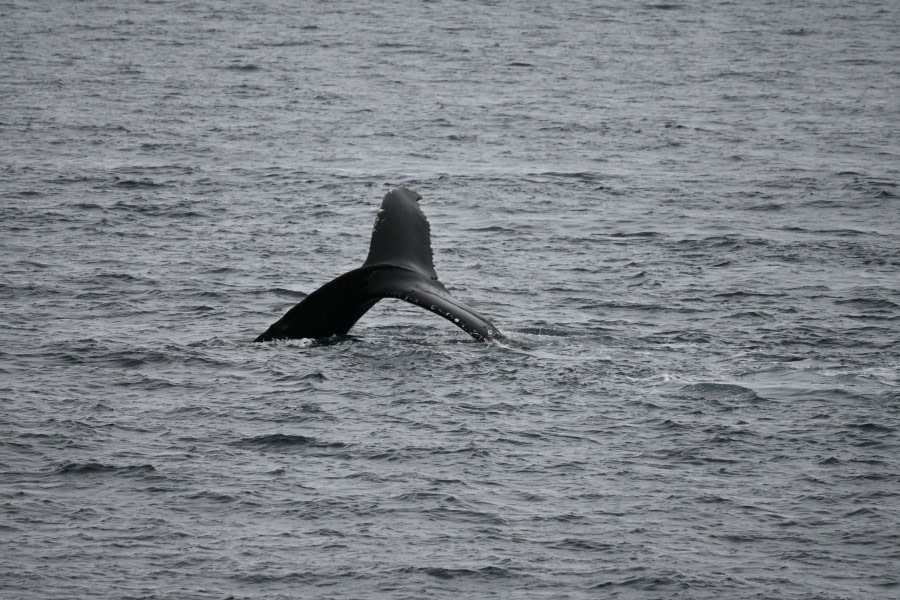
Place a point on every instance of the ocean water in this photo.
(683, 215)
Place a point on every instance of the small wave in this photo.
(718, 392)
(713, 499)
(311, 376)
(32, 264)
(674, 584)
(580, 544)
(74, 468)
(138, 184)
(636, 234)
(872, 427)
(765, 207)
(751, 314)
(72, 179)
(244, 67)
(88, 206)
(863, 512)
(286, 293)
(873, 303)
(201, 308)
(135, 359)
(287, 44)
(489, 572)
(422, 496)
(180, 210)
(282, 440)
(493, 229)
(835, 232)
(256, 577)
(115, 277)
(583, 176)
(211, 495)
(671, 425)
(744, 294)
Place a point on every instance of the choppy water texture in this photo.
(684, 215)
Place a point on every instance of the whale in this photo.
(400, 264)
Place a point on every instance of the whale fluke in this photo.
(399, 265)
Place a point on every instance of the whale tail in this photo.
(399, 265)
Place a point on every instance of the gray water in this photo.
(684, 216)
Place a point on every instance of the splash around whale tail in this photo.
(399, 265)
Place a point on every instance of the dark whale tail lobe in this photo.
(399, 265)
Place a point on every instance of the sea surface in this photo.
(685, 217)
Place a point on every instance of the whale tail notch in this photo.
(399, 265)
